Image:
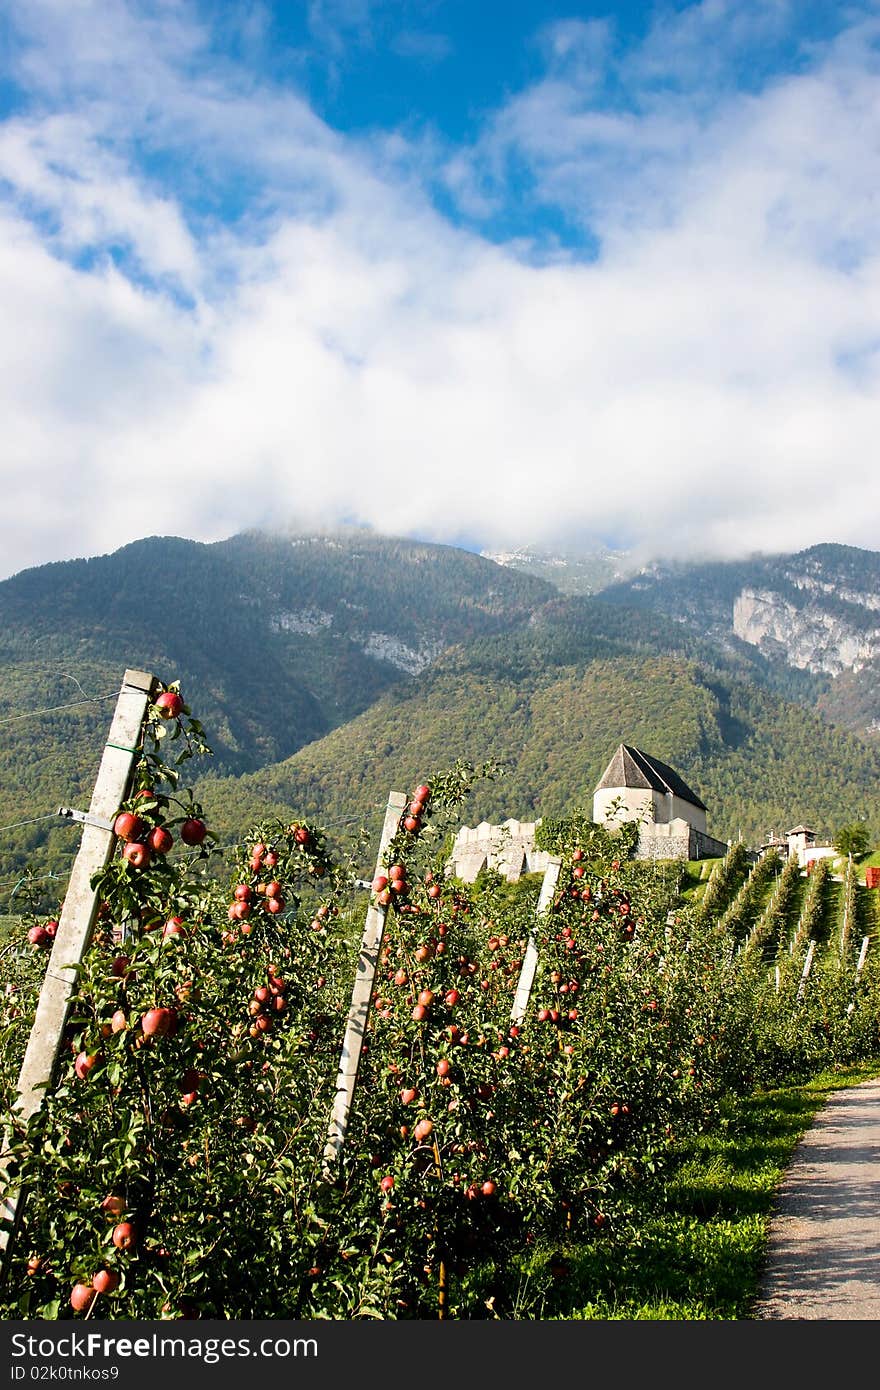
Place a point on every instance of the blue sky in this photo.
(513, 272)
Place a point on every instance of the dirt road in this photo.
(823, 1259)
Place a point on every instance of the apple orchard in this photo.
(177, 1166)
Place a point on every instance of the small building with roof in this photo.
(800, 843)
(637, 786)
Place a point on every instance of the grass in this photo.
(696, 876)
(864, 860)
(692, 1247)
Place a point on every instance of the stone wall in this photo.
(508, 848)
(684, 842)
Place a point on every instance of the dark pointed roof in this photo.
(631, 768)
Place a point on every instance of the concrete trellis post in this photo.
(362, 993)
(806, 970)
(78, 914)
(530, 960)
(859, 966)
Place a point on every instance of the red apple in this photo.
(169, 704)
(124, 1236)
(387, 1183)
(137, 855)
(127, 826)
(81, 1296)
(105, 1281)
(38, 936)
(160, 840)
(113, 1205)
(193, 831)
(423, 1129)
(157, 1022)
(86, 1063)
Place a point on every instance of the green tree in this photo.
(853, 838)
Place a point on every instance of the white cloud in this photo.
(339, 350)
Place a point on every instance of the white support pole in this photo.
(861, 961)
(530, 959)
(77, 918)
(362, 993)
(806, 970)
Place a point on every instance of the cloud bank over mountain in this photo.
(635, 302)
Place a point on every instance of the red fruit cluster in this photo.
(391, 887)
(266, 1003)
(42, 935)
(474, 1190)
(413, 818)
(144, 834)
(261, 894)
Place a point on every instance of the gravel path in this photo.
(823, 1257)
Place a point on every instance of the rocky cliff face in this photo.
(810, 637)
(813, 616)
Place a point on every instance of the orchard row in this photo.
(177, 1167)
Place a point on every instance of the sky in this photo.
(485, 272)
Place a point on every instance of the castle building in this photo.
(633, 787)
(636, 786)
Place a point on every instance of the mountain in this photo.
(277, 640)
(329, 669)
(815, 613)
(576, 572)
(551, 703)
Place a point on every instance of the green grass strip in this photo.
(692, 1247)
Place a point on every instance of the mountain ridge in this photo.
(303, 648)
